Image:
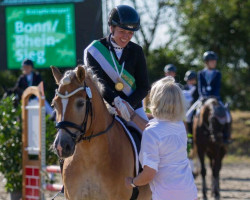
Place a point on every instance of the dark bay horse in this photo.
(98, 155)
(208, 139)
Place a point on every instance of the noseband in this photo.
(81, 128)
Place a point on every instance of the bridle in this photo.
(81, 128)
(209, 128)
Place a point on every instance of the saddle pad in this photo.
(134, 147)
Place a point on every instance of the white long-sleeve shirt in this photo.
(164, 148)
(188, 95)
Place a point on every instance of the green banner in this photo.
(42, 33)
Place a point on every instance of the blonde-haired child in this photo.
(163, 152)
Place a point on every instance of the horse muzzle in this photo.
(64, 145)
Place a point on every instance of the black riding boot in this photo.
(190, 137)
(190, 128)
(227, 133)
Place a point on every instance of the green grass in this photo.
(240, 134)
(233, 159)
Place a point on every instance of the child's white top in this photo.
(164, 148)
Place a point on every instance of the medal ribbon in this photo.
(209, 78)
(126, 76)
(119, 74)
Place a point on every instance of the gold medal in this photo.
(119, 86)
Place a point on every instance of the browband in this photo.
(88, 91)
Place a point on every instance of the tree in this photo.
(151, 19)
(221, 26)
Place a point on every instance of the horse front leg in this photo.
(216, 167)
(203, 172)
(216, 187)
(215, 178)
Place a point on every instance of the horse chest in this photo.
(86, 189)
(93, 186)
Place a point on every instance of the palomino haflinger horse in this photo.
(98, 154)
(208, 139)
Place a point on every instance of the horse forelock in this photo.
(68, 76)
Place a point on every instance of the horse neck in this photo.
(101, 115)
(97, 147)
(203, 116)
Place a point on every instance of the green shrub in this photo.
(11, 144)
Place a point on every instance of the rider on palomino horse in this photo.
(119, 63)
(209, 83)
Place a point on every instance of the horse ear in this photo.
(80, 74)
(57, 74)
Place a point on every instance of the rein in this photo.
(81, 128)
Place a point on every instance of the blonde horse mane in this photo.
(70, 74)
(205, 109)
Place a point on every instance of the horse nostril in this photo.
(67, 148)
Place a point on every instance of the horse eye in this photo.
(80, 104)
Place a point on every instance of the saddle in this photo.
(135, 138)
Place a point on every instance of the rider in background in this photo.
(119, 63)
(190, 90)
(209, 84)
(28, 78)
(170, 70)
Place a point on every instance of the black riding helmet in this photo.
(170, 68)
(209, 55)
(125, 17)
(28, 62)
(190, 74)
